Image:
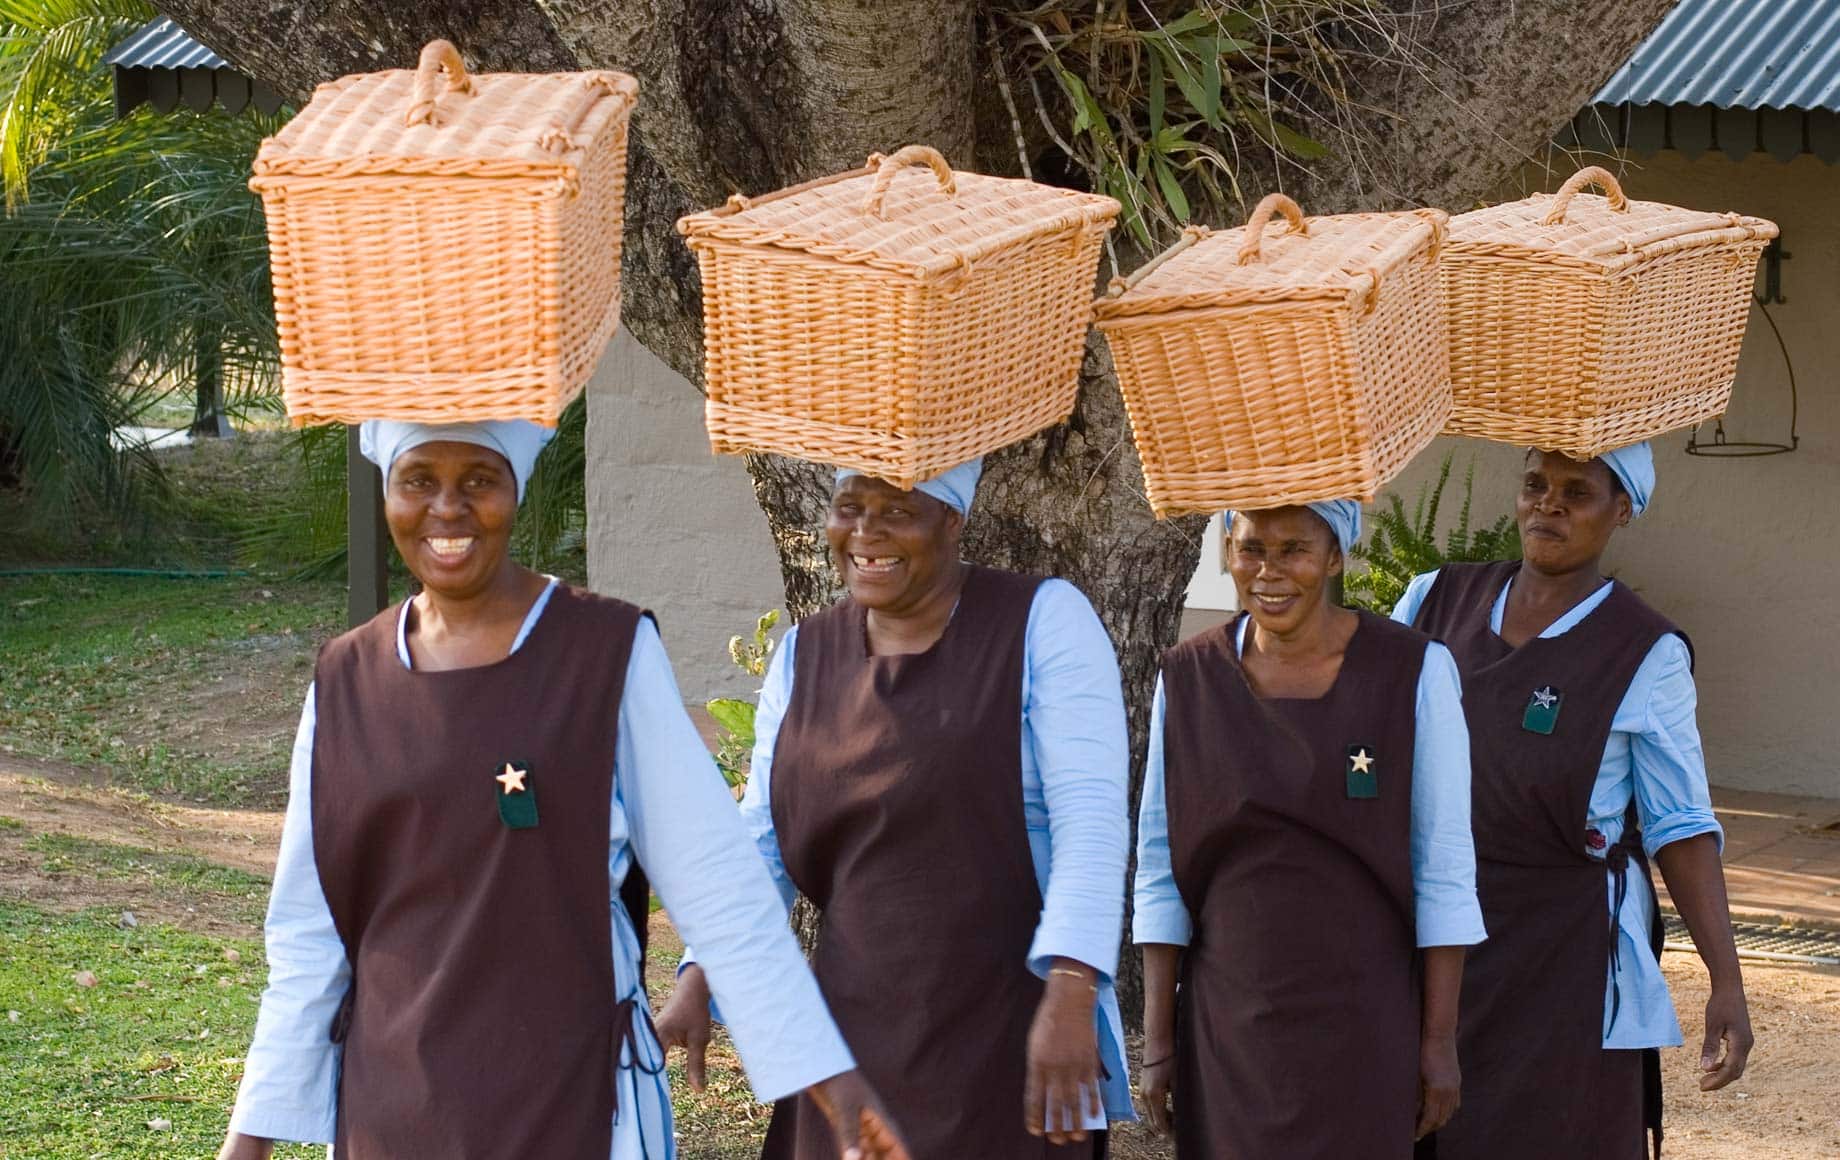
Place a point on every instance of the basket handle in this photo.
(1119, 287)
(438, 57)
(1271, 203)
(1590, 175)
(886, 167)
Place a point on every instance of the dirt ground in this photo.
(1785, 1107)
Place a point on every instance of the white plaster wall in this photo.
(1742, 553)
(671, 526)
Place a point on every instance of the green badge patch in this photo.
(1363, 772)
(1542, 715)
(517, 798)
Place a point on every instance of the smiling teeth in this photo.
(450, 547)
(875, 561)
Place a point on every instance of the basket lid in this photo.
(1604, 232)
(894, 215)
(1331, 257)
(438, 120)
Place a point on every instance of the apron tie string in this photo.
(627, 1013)
(1616, 863)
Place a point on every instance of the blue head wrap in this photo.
(1342, 515)
(955, 488)
(1634, 467)
(518, 440)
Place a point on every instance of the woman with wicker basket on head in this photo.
(1305, 881)
(1580, 702)
(452, 971)
(940, 766)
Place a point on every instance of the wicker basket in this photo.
(446, 247)
(895, 320)
(1266, 369)
(1581, 323)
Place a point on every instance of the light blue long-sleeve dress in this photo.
(1075, 760)
(1652, 757)
(1443, 853)
(672, 811)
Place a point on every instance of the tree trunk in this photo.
(751, 95)
(208, 419)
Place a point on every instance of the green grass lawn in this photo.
(145, 1062)
(170, 685)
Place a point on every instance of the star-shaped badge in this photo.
(1542, 713)
(517, 796)
(1363, 778)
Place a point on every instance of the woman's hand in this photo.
(684, 1023)
(240, 1147)
(1696, 883)
(1728, 1019)
(1439, 1080)
(865, 1130)
(1162, 963)
(1157, 1082)
(1063, 1078)
(1440, 1083)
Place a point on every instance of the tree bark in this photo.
(751, 95)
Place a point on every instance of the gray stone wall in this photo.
(671, 526)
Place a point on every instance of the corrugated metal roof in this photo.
(162, 44)
(1736, 54)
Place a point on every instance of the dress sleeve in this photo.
(757, 798)
(290, 1074)
(1073, 716)
(1443, 850)
(1158, 913)
(1406, 611)
(691, 840)
(1669, 767)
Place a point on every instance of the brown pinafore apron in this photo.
(1538, 1082)
(482, 1020)
(897, 799)
(1298, 1013)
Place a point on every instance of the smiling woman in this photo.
(478, 773)
(940, 767)
(1304, 868)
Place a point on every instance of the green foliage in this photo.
(1154, 101)
(736, 718)
(304, 532)
(131, 251)
(552, 525)
(1402, 546)
(142, 1064)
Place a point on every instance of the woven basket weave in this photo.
(446, 247)
(1262, 369)
(1581, 323)
(895, 320)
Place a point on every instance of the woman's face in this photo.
(893, 548)
(450, 507)
(1567, 511)
(1281, 561)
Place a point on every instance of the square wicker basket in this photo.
(1262, 369)
(1581, 323)
(446, 247)
(895, 320)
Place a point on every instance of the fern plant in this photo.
(1403, 546)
